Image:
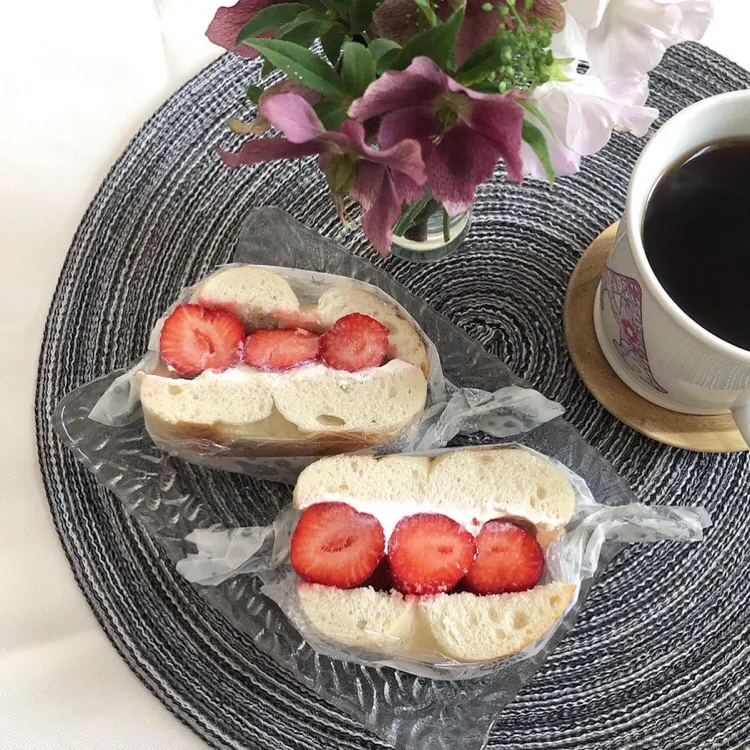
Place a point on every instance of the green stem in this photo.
(518, 18)
(429, 13)
(407, 218)
(446, 226)
(427, 211)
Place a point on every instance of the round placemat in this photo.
(660, 655)
(713, 433)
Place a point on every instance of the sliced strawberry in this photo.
(196, 338)
(335, 545)
(509, 558)
(280, 349)
(429, 553)
(354, 342)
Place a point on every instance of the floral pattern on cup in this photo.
(626, 300)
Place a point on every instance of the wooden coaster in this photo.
(711, 434)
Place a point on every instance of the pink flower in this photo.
(462, 133)
(228, 22)
(381, 181)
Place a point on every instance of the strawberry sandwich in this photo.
(437, 558)
(247, 369)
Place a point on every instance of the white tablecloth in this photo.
(77, 78)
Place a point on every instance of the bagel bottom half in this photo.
(460, 626)
(307, 411)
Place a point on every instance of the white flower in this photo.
(629, 37)
(582, 114)
(564, 160)
(571, 41)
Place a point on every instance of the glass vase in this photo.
(431, 238)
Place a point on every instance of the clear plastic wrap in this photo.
(172, 499)
(449, 411)
(573, 557)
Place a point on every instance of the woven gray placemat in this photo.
(660, 657)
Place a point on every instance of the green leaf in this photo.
(437, 43)
(358, 69)
(486, 87)
(305, 28)
(332, 41)
(269, 18)
(384, 52)
(387, 62)
(332, 113)
(309, 16)
(427, 10)
(360, 15)
(302, 65)
(268, 68)
(485, 59)
(556, 70)
(535, 138)
(338, 7)
(254, 92)
(341, 171)
(530, 106)
(378, 47)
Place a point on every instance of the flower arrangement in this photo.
(413, 103)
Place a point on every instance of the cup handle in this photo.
(741, 412)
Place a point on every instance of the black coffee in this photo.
(697, 238)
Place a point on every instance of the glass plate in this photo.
(171, 498)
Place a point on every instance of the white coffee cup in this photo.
(652, 345)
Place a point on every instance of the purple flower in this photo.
(380, 180)
(228, 22)
(260, 125)
(462, 133)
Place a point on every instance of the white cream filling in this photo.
(317, 371)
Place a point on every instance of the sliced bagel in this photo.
(393, 480)
(382, 399)
(304, 411)
(262, 298)
(472, 486)
(404, 341)
(247, 410)
(462, 626)
(256, 296)
(359, 617)
(471, 628)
